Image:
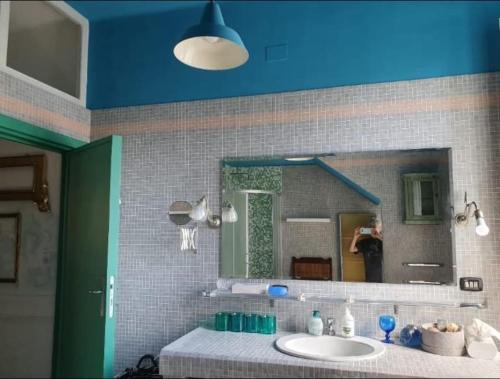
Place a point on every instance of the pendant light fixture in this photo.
(211, 45)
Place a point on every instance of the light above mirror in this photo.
(299, 159)
(229, 214)
(481, 228)
(462, 219)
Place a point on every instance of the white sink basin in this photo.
(330, 348)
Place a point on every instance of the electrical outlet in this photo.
(276, 53)
(471, 284)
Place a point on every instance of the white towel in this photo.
(481, 348)
(250, 288)
(480, 340)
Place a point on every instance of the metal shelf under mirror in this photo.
(305, 297)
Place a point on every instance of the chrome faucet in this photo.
(330, 324)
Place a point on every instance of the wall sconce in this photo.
(182, 212)
(229, 214)
(482, 228)
(201, 213)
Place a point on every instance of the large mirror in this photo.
(378, 217)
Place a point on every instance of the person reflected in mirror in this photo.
(370, 244)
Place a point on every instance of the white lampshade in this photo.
(211, 45)
(482, 228)
(200, 210)
(229, 214)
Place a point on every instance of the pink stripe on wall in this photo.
(44, 118)
(294, 116)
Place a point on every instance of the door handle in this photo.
(111, 295)
(101, 307)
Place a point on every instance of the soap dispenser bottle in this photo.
(315, 324)
(347, 324)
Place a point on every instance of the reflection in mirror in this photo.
(361, 247)
(358, 217)
(422, 198)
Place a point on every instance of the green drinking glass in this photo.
(274, 323)
(236, 322)
(267, 324)
(251, 323)
(222, 321)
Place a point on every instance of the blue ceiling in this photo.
(293, 45)
(104, 9)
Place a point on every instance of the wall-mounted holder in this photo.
(462, 219)
(179, 212)
(189, 238)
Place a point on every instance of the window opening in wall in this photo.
(45, 43)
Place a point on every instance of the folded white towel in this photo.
(479, 328)
(480, 340)
(250, 288)
(481, 348)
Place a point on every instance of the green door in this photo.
(85, 320)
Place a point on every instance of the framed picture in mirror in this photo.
(27, 180)
(10, 246)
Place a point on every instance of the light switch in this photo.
(471, 284)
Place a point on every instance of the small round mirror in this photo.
(179, 212)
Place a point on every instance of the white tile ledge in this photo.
(210, 353)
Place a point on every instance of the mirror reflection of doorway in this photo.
(251, 244)
(352, 265)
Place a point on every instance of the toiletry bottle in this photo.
(347, 324)
(315, 324)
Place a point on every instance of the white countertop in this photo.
(209, 353)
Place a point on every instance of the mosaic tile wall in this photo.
(32, 104)
(172, 152)
(260, 233)
(260, 216)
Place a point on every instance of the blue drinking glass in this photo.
(387, 324)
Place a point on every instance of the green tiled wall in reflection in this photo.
(253, 178)
(260, 213)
